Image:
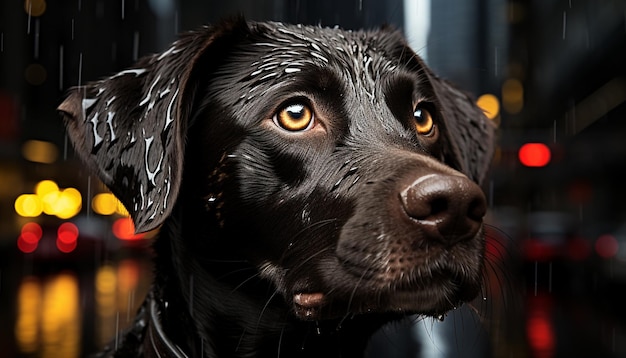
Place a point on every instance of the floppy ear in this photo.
(469, 133)
(130, 128)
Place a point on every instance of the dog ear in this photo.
(469, 134)
(130, 128)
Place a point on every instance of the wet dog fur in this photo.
(310, 184)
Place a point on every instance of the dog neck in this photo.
(206, 317)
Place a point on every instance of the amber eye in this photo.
(423, 121)
(294, 117)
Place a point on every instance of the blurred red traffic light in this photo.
(534, 154)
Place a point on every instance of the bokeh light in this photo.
(67, 237)
(124, 229)
(38, 151)
(534, 154)
(489, 104)
(35, 7)
(35, 74)
(31, 233)
(512, 96)
(104, 204)
(28, 205)
(606, 246)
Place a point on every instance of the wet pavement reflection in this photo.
(68, 310)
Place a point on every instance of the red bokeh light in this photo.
(25, 246)
(67, 237)
(31, 233)
(67, 233)
(606, 246)
(534, 155)
(124, 229)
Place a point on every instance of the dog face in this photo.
(333, 163)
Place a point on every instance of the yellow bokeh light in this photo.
(104, 204)
(27, 320)
(513, 95)
(106, 288)
(35, 7)
(489, 104)
(60, 317)
(46, 186)
(51, 200)
(38, 151)
(28, 205)
(68, 203)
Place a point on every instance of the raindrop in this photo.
(117, 328)
(1, 41)
(30, 8)
(129, 307)
(72, 29)
(495, 61)
(36, 50)
(122, 9)
(80, 68)
(61, 68)
(441, 317)
(317, 328)
(136, 46)
(88, 195)
(65, 147)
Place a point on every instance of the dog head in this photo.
(332, 162)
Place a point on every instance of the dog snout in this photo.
(445, 207)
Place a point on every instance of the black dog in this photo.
(310, 185)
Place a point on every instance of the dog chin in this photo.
(434, 300)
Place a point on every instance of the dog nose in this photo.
(449, 208)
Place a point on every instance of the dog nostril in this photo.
(446, 207)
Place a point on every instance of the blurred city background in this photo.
(551, 74)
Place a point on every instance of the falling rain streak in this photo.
(61, 49)
(30, 8)
(80, 68)
(36, 49)
(136, 46)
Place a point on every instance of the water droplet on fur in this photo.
(441, 317)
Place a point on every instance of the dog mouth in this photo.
(435, 295)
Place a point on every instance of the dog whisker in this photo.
(256, 275)
(258, 324)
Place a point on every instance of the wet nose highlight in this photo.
(448, 207)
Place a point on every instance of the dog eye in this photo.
(294, 117)
(423, 121)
